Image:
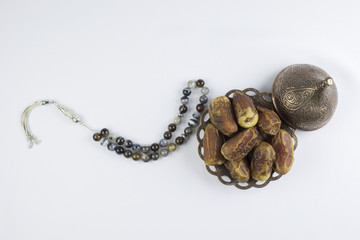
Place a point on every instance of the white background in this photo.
(122, 65)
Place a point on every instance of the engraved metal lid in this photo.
(304, 96)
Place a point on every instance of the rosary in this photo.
(246, 137)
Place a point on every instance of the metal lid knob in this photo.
(304, 96)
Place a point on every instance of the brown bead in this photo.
(182, 109)
(172, 127)
(104, 132)
(136, 156)
(179, 140)
(200, 83)
(200, 107)
(155, 147)
(172, 147)
(167, 135)
(97, 137)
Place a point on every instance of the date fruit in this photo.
(240, 145)
(222, 116)
(262, 162)
(284, 148)
(239, 170)
(245, 111)
(269, 122)
(212, 142)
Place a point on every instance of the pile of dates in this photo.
(246, 139)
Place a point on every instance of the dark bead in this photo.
(186, 91)
(127, 153)
(145, 149)
(136, 156)
(167, 135)
(155, 147)
(200, 107)
(196, 115)
(188, 130)
(104, 132)
(184, 100)
(200, 83)
(111, 146)
(182, 109)
(203, 99)
(172, 127)
(120, 141)
(154, 156)
(186, 137)
(119, 150)
(97, 137)
(128, 144)
(179, 140)
(136, 147)
(193, 122)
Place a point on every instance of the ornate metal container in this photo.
(304, 96)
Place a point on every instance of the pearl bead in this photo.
(164, 152)
(127, 153)
(203, 99)
(128, 144)
(154, 156)
(172, 127)
(185, 137)
(180, 115)
(136, 156)
(184, 100)
(183, 109)
(186, 91)
(205, 90)
(179, 140)
(155, 147)
(163, 143)
(200, 107)
(119, 150)
(136, 147)
(200, 83)
(145, 149)
(111, 146)
(97, 137)
(104, 132)
(188, 130)
(172, 147)
(120, 141)
(145, 157)
(167, 135)
(191, 84)
(177, 120)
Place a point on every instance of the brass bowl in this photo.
(262, 99)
